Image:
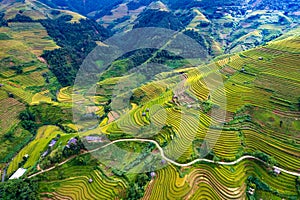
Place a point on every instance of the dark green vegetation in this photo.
(44, 114)
(19, 190)
(20, 18)
(161, 19)
(76, 41)
(3, 22)
(137, 187)
(102, 6)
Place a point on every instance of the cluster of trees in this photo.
(84, 7)
(118, 21)
(76, 40)
(265, 157)
(186, 17)
(19, 68)
(133, 5)
(82, 161)
(207, 106)
(107, 9)
(157, 18)
(298, 184)
(292, 5)
(28, 121)
(44, 114)
(117, 136)
(19, 189)
(9, 135)
(59, 156)
(256, 183)
(269, 35)
(21, 18)
(73, 149)
(137, 188)
(203, 24)
(3, 21)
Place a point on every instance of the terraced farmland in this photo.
(9, 112)
(41, 97)
(264, 79)
(26, 41)
(21, 50)
(102, 186)
(80, 188)
(35, 148)
(214, 182)
(64, 95)
(228, 129)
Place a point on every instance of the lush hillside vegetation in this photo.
(76, 41)
(260, 122)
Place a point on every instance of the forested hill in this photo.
(157, 18)
(76, 41)
(83, 7)
(102, 7)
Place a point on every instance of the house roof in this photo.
(52, 143)
(45, 153)
(277, 171)
(93, 138)
(20, 172)
(72, 140)
(152, 174)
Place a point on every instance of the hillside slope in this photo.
(262, 119)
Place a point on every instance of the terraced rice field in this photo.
(17, 91)
(289, 44)
(266, 80)
(65, 95)
(246, 90)
(28, 40)
(41, 97)
(213, 182)
(35, 148)
(9, 113)
(31, 9)
(248, 87)
(285, 154)
(76, 185)
(3, 95)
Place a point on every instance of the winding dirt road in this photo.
(168, 159)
